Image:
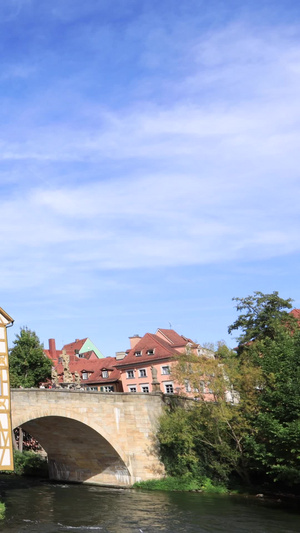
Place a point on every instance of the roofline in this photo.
(142, 363)
(160, 341)
(97, 381)
(6, 315)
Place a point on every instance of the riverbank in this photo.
(183, 484)
(206, 485)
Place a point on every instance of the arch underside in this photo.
(78, 453)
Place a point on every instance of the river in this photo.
(43, 507)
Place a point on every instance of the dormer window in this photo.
(138, 353)
(105, 373)
(85, 375)
(150, 351)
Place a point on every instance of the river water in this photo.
(43, 507)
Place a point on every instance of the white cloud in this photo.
(208, 177)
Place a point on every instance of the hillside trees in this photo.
(252, 426)
(208, 438)
(28, 366)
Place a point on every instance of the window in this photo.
(132, 389)
(145, 388)
(187, 385)
(138, 353)
(169, 388)
(104, 373)
(107, 388)
(142, 373)
(91, 388)
(165, 370)
(130, 374)
(84, 375)
(150, 352)
(80, 355)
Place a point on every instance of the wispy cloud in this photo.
(158, 144)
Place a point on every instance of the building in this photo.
(79, 349)
(88, 374)
(145, 367)
(150, 359)
(6, 437)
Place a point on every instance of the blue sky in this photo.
(149, 164)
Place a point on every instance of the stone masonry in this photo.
(104, 438)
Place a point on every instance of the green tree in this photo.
(263, 313)
(270, 342)
(274, 445)
(252, 425)
(28, 365)
(208, 437)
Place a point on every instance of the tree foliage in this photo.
(274, 447)
(28, 365)
(263, 313)
(208, 437)
(252, 425)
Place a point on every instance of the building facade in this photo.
(147, 366)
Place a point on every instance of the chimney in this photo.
(120, 355)
(52, 349)
(134, 340)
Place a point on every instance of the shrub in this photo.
(182, 484)
(2, 510)
(30, 464)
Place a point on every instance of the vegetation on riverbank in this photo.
(184, 484)
(250, 433)
(2, 510)
(29, 464)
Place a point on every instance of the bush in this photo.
(30, 464)
(2, 510)
(182, 484)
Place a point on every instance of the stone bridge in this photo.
(105, 438)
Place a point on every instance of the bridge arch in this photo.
(77, 452)
(53, 411)
(108, 439)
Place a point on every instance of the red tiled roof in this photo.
(87, 355)
(47, 352)
(296, 313)
(72, 346)
(174, 338)
(162, 350)
(94, 368)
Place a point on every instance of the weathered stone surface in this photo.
(93, 437)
